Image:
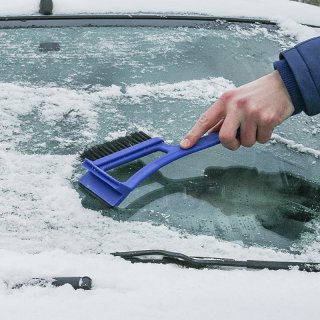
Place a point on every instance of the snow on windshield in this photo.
(56, 103)
(100, 86)
(272, 9)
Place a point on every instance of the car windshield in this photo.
(64, 89)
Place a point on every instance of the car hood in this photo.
(275, 10)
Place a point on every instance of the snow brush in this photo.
(109, 155)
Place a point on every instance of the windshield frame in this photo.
(121, 20)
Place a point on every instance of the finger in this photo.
(228, 132)
(217, 127)
(248, 133)
(206, 121)
(264, 134)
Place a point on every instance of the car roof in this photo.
(273, 10)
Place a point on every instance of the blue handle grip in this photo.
(172, 153)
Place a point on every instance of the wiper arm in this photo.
(84, 283)
(168, 257)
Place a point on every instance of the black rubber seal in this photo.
(42, 21)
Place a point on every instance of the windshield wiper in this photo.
(168, 257)
(84, 283)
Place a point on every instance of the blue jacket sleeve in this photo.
(299, 68)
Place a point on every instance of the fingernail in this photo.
(185, 143)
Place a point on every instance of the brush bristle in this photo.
(107, 148)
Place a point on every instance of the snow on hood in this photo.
(271, 9)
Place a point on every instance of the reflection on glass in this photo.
(235, 204)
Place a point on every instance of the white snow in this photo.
(52, 234)
(126, 291)
(204, 89)
(54, 103)
(291, 28)
(298, 147)
(19, 7)
(45, 231)
(272, 9)
(50, 102)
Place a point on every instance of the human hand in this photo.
(256, 108)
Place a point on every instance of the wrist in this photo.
(290, 83)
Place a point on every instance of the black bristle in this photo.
(99, 152)
(107, 148)
(144, 135)
(119, 145)
(133, 141)
(124, 144)
(139, 136)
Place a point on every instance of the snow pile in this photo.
(41, 210)
(298, 147)
(228, 8)
(203, 89)
(19, 7)
(271, 9)
(46, 232)
(129, 291)
(52, 104)
(289, 27)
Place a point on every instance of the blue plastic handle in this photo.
(113, 191)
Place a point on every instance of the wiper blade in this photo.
(168, 257)
(84, 283)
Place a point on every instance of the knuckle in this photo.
(247, 143)
(204, 120)
(226, 138)
(263, 140)
(227, 96)
(264, 136)
(234, 148)
(242, 102)
(231, 147)
(252, 112)
(267, 120)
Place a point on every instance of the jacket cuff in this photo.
(291, 84)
